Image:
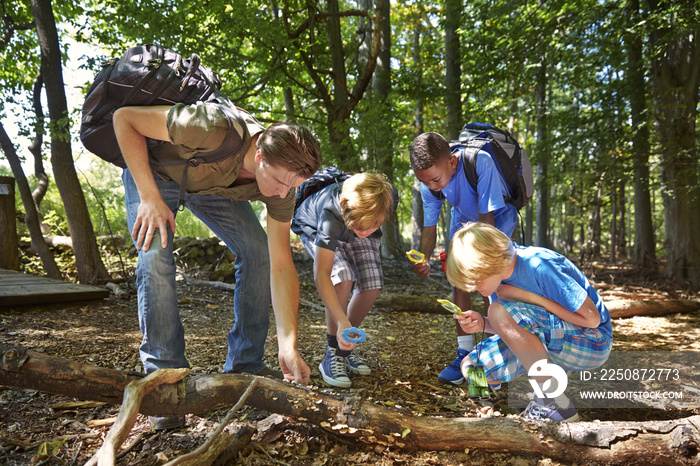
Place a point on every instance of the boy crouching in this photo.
(542, 307)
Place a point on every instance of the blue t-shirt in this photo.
(466, 203)
(553, 276)
(319, 217)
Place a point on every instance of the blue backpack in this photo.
(318, 181)
(510, 159)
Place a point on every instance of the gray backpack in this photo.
(510, 159)
(152, 75)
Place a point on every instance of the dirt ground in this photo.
(406, 351)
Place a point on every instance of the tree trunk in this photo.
(340, 101)
(613, 214)
(392, 243)
(417, 201)
(90, 267)
(542, 196)
(570, 202)
(35, 147)
(290, 111)
(453, 68)
(651, 442)
(594, 240)
(453, 90)
(622, 209)
(676, 79)
(338, 128)
(31, 216)
(416, 215)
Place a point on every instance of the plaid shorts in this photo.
(570, 346)
(358, 261)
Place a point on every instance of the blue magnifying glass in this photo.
(354, 335)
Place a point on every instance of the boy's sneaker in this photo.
(332, 370)
(538, 410)
(452, 373)
(356, 365)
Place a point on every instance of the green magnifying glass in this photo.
(450, 306)
(415, 256)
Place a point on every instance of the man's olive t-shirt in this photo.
(202, 127)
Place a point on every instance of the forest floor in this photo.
(406, 351)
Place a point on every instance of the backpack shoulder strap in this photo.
(232, 144)
(469, 152)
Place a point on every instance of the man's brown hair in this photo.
(292, 146)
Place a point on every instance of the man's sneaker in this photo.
(166, 422)
(356, 365)
(452, 373)
(538, 410)
(333, 370)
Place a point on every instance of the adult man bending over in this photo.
(271, 163)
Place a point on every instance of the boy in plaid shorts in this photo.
(543, 307)
(443, 178)
(339, 226)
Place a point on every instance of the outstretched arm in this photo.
(284, 284)
(132, 125)
(488, 217)
(428, 238)
(323, 265)
(586, 316)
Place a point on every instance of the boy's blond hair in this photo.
(477, 251)
(366, 201)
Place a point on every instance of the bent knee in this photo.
(499, 317)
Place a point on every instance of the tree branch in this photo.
(11, 27)
(31, 215)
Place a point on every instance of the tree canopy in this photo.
(603, 95)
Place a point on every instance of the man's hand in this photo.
(152, 216)
(294, 368)
(132, 125)
(422, 269)
(470, 321)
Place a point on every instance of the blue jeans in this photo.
(235, 223)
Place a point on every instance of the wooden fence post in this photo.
(9, 245)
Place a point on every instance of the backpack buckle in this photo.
(109, 62)
(155, 62)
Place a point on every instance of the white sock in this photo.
(465, 342)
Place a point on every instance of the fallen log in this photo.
(133, 395)
(218, 441)
(217, 285)
(66, 242)
(622, 308)
(673, 442)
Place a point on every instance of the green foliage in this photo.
(263, 48)
(104, 195)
